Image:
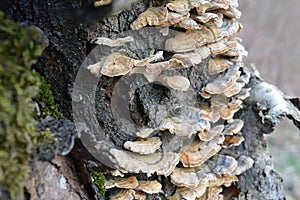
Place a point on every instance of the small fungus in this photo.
(232, 140)
(150, 187)
(145, 146)
(112, 65)
(125, 183)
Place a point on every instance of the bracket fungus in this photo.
(158, 56)
(223, 81)
(232, 140)
(112, 65)
(208, 135)
(206, 44)
(179, 6)
(174, 18)
(132, 185)
(153, 16)
(207, 6)
(150, 187)
(222, 46)
(218, 65)
(234, 127)
(182, 128)
(129, 195)
(189, 24)
(217, 19)
(222, 164)
(225, 180)
(177, 82)
(126, 183)
(145, 146)
(159, 163)
(124, 195)
(185, 177)
(197, 154)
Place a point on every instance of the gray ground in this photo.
(271, 35)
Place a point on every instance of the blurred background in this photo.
(271, 35)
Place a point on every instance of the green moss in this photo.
(45, 148)
(99, 181)
(45, 136)
(46, 98)
(19, 49)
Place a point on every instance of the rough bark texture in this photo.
(69, 43)
(261, 181)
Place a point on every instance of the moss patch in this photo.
(45, 98)
(19, 49)
(99, 181)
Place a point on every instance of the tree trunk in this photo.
(69, 45)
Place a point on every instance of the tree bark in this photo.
(69, 44)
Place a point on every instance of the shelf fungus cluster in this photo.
(200, 169)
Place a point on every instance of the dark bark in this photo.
(69, 44)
